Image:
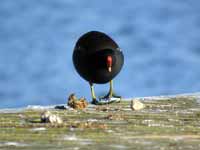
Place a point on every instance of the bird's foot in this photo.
(94, 101)
(109, 95)
(104, 101)
(107, 99)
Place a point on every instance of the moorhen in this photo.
(98, 59)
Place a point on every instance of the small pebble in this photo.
(137, 105)
(48, 117)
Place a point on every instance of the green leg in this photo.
(94, 100)
(111, 92)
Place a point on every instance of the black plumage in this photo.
(89, 57)
(92, 54)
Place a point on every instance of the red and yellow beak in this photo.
(109, 63)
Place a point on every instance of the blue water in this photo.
(160, 40)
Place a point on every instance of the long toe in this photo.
(109, 100)
(94, 101)
(116, 96)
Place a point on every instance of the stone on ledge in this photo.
(48, 117)
(137, 105)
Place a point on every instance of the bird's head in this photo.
(109, 63)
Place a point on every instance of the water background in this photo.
(160, 40)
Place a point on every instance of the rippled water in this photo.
(160, 41)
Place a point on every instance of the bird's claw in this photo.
(106, 100)
(94, 101)
(110, 96)
(109, 100)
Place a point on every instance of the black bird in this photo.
(98, 59)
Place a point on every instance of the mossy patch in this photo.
(172, 123)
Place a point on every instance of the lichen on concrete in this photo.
(166, 123)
